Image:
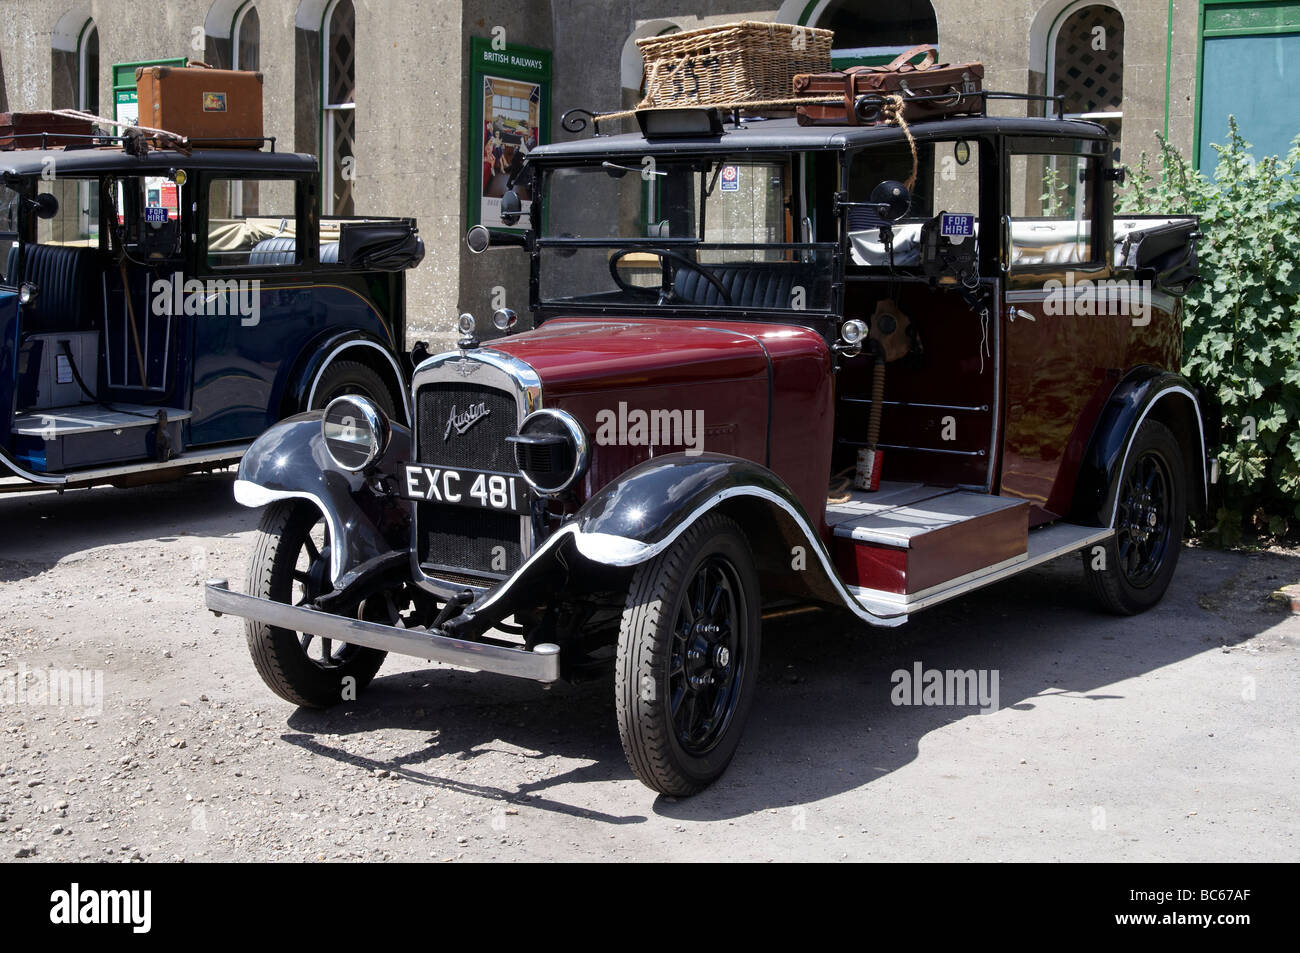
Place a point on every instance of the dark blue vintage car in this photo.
(159, 309)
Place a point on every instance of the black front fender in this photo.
(633, 519)
(646, 507)
(640, 514)
(367, 529)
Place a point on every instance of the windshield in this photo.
(717, 231)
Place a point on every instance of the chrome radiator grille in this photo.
(453, 540)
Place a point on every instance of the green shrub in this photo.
(1241, 324)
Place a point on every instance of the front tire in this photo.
(1135, 566)
(291, 564)
(687, 660)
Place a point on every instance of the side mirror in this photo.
(46, 205)
(511, 207)
(891, 199)
(480, 238)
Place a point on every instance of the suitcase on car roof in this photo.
(42, 130)
(929, 91)
(213, 108)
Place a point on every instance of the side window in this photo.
(947, 180)
(77, 221)
(252, 223)
(8, 230)
(1051, 210)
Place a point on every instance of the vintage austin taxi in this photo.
(761, 371)
(161, 307)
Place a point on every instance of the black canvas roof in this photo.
(87, 162)
(786, 135)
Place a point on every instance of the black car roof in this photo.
(86, 162)
(786, 135)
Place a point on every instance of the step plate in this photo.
(69, 421)
(61, 439)
(916, 539)
(1045, 544)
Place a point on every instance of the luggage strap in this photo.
(902, 63)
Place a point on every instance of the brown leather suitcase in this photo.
(929, 91)
(42, 130)
(213, 108)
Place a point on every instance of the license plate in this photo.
(476, 489)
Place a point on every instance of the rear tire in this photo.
(687, 660)
(1130, 572)
(291, 565)
(344, 378)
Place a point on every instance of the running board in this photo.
(1045, 544)
(26, 481)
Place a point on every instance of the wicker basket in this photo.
(731, 65)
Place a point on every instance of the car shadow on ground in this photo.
(823, 722)
(42, 528)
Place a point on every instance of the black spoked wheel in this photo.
(688, 654)
(1144, 520)
(1133, 569)
(707, 664)
(291, 564)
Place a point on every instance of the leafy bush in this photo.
(1241, 324)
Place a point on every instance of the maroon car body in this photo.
(734, 336)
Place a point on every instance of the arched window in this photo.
(246, 39)
(74, 63)
(1086, 65)
(88, 69)
(867, 32)
(632, 63)
(338, 105)
(74, 84)
(233, 35)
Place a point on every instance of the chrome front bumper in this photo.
(541, 664)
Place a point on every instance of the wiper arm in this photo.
(624, 168)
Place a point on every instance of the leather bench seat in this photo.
(284, 251)
(749, 284)
(69, 296)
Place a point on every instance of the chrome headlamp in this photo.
(853, 332)
(552, 451)
(356, 432)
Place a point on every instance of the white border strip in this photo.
(401, 385)
(1200, 426)
(248, 493)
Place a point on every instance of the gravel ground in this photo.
(1167, 737)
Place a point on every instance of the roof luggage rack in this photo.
(134, 140)
(868, 108)
(130, 143)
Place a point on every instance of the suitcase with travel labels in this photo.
(929, 91)
(213, 108)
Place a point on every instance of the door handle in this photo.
(1013, 312)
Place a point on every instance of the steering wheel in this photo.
(667, 291)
